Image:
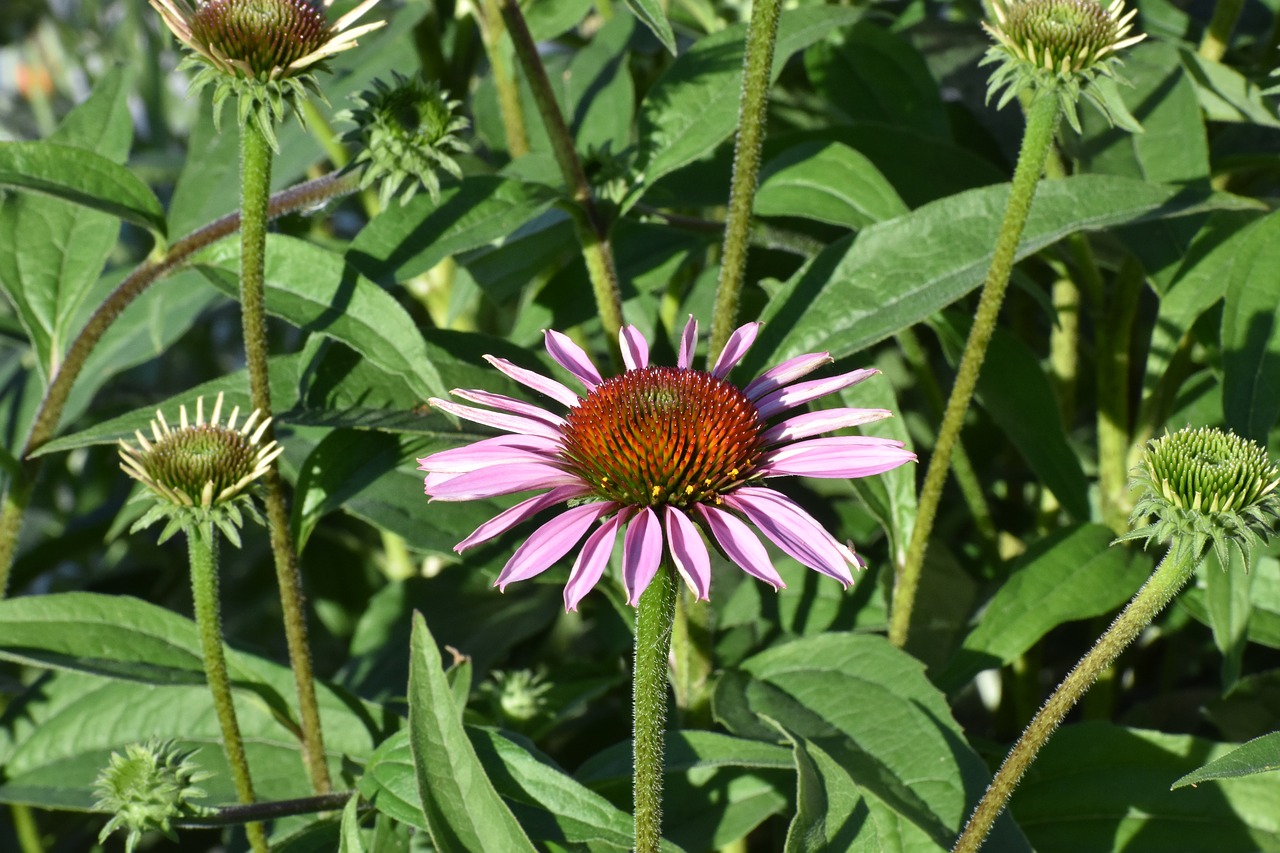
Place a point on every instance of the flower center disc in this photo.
(188, 459)
(266, 34)
(663, 435)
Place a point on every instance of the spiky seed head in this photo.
(147, 788)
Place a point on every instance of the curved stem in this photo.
(255, 181)
(593, 231)
(654, 619)
(762, 34)
(202, 545)
(1170, 576)
(45, 425)
(1042, 122)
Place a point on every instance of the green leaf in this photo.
(317, 292)
(653, 16)
(1096, 786)
(339, 467)
(462, 809)
(830, 813)
(599, 94)
(81, 177)
(404, 242)
(827, 182)
(1069, 575)
(896, 273)
(873, 74)
(1263, 626)
(1260, 755)
(694, 105)
(1250, 343)
(350, 840)
(1229, 599)
(59, 248)
(550, 18)
(858, 695)
(1225, 94)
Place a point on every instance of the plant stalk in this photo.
(654, 618)
(49, 414)
(202, 545)
(1177, 567)
(762, 34)
(1217, 37)
(1043, 116)
(1115, 335)
(255, 177)
(593, 230)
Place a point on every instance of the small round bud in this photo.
(147, 788)
(519, 696)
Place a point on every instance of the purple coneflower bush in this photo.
(660, 452)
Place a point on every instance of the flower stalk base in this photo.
(654, 619)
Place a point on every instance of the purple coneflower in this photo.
(661, 452)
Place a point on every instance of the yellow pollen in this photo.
(688, 490)
(733, 472)
(655, 491)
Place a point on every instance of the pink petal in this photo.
(793, 530)
(635, 349)
(816, 423)
(641, 554)
(742, 546)
(499, 480)
(836, 456)
(735, 348)
(802, 392)
(543, 385)
(499, 450)
(509, 404)
(688, 344)
(786, 373)
(689, 552)
(549, 543)
(592, 560)
(571, 357)
(507, 519)
(499, 420)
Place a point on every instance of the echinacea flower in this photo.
(200, 471)
(664, 454)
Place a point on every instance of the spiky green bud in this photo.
(147, 788)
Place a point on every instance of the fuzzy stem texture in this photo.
(202, 545)
(593, 231)
(762, 35)
(1177, 567)
(1042, 122)
(48, 415)
(255, 180)
(654, 618)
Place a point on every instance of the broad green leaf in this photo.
(1260, 755)
(599, 94)
(1250, 709)
(81, 177)
(59, 248)
(316, 291)
(694, 106)
(350, 839)
(462, 809)
(1225, 94)
(1250, 338)
(896, 273)
(830, 813)
(550, 18)
(1228, 595)
(873, 74)
(859, 695)
(1264, 594)
(339, 467)
(1069, 575)
(1096, 786)
(829, 182)
(653, 16)
(404, 242)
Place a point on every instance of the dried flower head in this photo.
(263, 51)
(1210, 487)
(665, 454)
(200, 471)
(147, 788)
(406, 133)
(1062, 46)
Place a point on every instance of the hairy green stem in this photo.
(762, 34)
(1217, 38)
(654, 618)
(255, 181)
(49, 414)
(593, 231)
(1177, 567)
(691, 663)
(202, 545)
(1114, 336)
(1043, 116)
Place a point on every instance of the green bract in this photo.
(1211, 486)
(147, 788)
(1061, 46)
